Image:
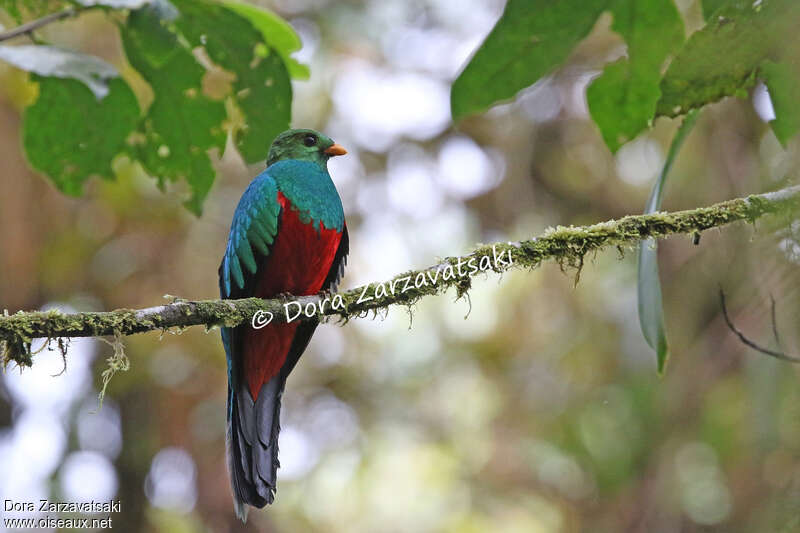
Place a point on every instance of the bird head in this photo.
(303, 145)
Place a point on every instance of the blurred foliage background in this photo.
(535, 407)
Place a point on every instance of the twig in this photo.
(29, 27)
(766, 351)
(566, 245)
(774, 321)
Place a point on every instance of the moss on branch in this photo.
(567, 245)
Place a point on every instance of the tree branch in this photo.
(567, 245)
(29, 27)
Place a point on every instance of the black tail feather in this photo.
(253, 430)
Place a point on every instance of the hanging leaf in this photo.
(174, 47)
(70, 135)
(182, 124)
(622, 101)
(531, 38)
(722, 58)
(262, 88)
(651, 309)
(277, 33)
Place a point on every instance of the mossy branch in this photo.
(567, 245)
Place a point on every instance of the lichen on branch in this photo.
(567, 245)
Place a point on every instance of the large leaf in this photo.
(69, 135)
(182, 124)
(58, 62)
(722, 58)
(530, 39)
(262, 88)
(783, 83)
(277, 33)
(651, 311)
(622, 101)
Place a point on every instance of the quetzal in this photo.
(288, 235)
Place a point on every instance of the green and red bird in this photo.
(288, 235)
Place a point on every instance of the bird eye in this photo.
(309, 140)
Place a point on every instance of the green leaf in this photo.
(182, 124)
(722, 58)
(276, 32)
(622, 101)
(57, 62)
(651, 311)
(69, 135)
(783, 82)
(531, 38)
(262, 88)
